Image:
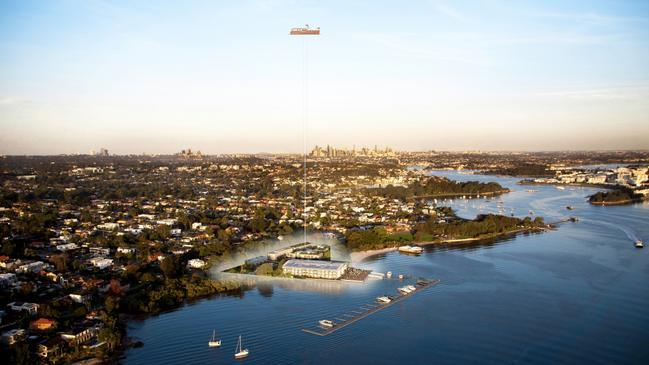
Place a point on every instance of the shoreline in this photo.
(620, 202)
(455, 195)
(359, 256)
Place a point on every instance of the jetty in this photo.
(365, 310)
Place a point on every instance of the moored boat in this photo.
(214, 342)
(383, 299)
(326, 323)
(240, 352)
(411, 249)
(411, 287)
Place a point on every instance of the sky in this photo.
(226, 77)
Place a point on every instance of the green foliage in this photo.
(484, 224)
(265, 269)
(8, 248)
(171, 266)
(435, 186)
(523, 170)
(402, 237)
(161, 295)
(61, 261)
(613, 196)
(20, 354)
(359, 240)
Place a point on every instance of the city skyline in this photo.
(157, 78)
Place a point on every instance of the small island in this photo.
(615, 197)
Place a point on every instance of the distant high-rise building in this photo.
(188, 153)
(330, 152)
(102, 152)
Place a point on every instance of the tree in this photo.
(8, 248)
(265, 269)
(170, 267)
(60, 261)
(115, 288)
(26, 288)
(112, 303)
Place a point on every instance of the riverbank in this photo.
(359, 256)
(619, 202)
(574, 184)
(142, 305)
(457, 195)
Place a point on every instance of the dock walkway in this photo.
(357, 316)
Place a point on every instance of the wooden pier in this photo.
(358, 315)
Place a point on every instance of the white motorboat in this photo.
(411, 249)
(639, 244)
(411, 287)
(384, 299)
(326, 323)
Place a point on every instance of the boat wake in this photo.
(627, 231)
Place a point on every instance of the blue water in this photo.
(575, 295)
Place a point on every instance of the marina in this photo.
(366, 310)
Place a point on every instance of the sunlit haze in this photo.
(225, 77)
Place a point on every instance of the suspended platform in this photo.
(305, 31)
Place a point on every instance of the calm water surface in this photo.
(576, 295)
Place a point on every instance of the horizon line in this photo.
(301, 154)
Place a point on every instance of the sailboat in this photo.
(240, 351)
(214, 342)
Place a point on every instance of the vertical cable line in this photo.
(306, 31)
(305, 120)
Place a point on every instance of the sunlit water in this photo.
(575, 295)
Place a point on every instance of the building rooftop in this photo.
(314, 264)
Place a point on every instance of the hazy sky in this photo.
(157, 77)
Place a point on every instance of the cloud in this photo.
(592, 18)
(404, 45)
(450, 12)
(11, 100)
(615, 93)
(555, 39)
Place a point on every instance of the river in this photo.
(575, 295)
